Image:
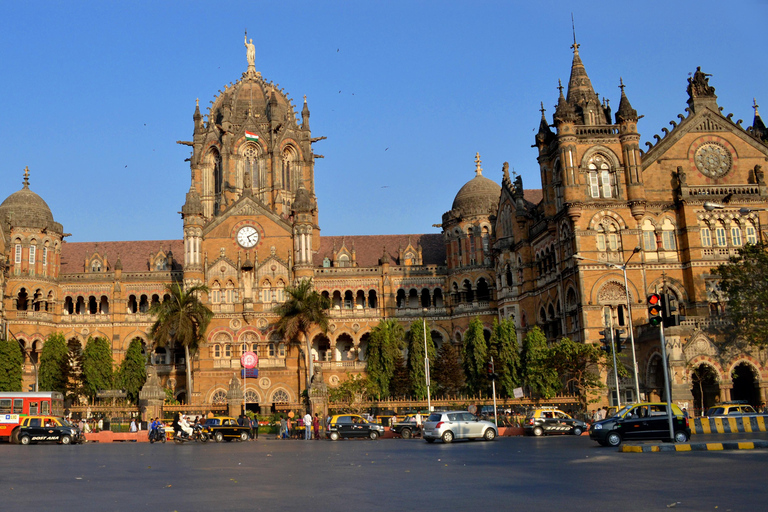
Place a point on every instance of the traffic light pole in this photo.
(493, 386)
(666, 381)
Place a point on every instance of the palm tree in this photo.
(182, 319)
(303, 309)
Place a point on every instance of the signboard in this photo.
(518, 392)
(249, 373)
(111, 393)
(249, 360)
(9, 418)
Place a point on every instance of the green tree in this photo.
(11, 361)
(133, 374)
(385, 343)
(400, 385)
(747, 296)
(303, 309)
(74, 371)
(98, 366)
(415, 339)
(579, 366)
(352, 394)
(181, 320)
(448, 375)
(53, 364)
(538, 376)
(506, 359)
(474, 356)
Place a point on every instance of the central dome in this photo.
(26, 209)
(478, 196)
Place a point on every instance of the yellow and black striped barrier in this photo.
(735, 425)
(693, 447)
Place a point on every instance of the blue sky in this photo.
(95, 94)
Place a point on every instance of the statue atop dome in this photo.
(250, 53)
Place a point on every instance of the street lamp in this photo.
(747, 211)
(623, 269)
(426, 360)
(710, 206)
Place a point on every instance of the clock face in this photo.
(248, 237)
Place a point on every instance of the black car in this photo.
(550, 420)
(40, 429)
(406, 428)
(225, 428)
(640, 422)
(352, 425)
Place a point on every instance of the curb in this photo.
(694, 447)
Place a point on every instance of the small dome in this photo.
(26, 209)
(479, 195)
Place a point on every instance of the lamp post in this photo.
(623, 269)
(426, 360)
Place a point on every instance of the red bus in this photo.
(16, 405)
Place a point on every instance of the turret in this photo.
(305, 115)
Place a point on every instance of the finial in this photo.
(305, 98)
(478, 169)
(26, 177)
(754, 106)
(197, 102)
(575, 45)
(542, 109)
(621, 84)
(560, 86)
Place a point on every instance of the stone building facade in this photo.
(250, 228)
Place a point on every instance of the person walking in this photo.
(133, 426)
(283, 427)
(307, 426)
(316, 426)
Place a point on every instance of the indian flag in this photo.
(251, 136)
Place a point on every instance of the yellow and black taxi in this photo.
(550, 420)
(46, 429)
(226, 428)
(731, 409)
(640, 422)
(352, 425)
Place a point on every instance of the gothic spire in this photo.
(625, 112)
(758, 127)
(579, 86)
(544, 136)
(564, 111)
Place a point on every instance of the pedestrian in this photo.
(316, 426)
(289, 424)
(283, 427)
(133, 426)
(307, 426)
(685, 412)
(254, 427)
(418, 422)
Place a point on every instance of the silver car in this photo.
(452, 425)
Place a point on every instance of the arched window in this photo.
(751, 233)
(706, 237)
(280, 397)
(649, 236)
(668, 235)
(250, 154)
(720, 234)
(736, 235)
(215, 292)
(290, 166)
(343, 261)
(602, 179)
(219, 397)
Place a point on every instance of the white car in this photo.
(452, 425)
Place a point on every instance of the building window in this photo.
(45, 256)
(281, 349)
(18, 253)
(751, 234)
(720, 235)
(602, 180)
(649, 240)
(594, 185)
(706, 237)
(217, 351)
(228, 351)
(32, 254)
(271, 347)
(668, 240)
(736, 236)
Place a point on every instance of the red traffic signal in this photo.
(655, 316)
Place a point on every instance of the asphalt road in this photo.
(554, 473)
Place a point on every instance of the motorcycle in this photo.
(157, 434)
(198, 434)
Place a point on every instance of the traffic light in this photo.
(619, 339)
(655, 312)
(605, 341)
(669, 310)
(491, 370)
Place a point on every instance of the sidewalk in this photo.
(694, 447)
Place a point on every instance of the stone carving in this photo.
(759, 175)
(612, 293)
(682, 178)
(698, 84)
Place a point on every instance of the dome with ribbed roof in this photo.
(479, 195)
(26, 209)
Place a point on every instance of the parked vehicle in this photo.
(40, 429)
(731, 409)
(407, 428)
(452, 425)
(639, 422)
(225, 428)
(352, 425)
(551, 420)
(16, 405)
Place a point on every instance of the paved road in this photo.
(564, 472)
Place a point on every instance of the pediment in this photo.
(247, 206)
(222, 269)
